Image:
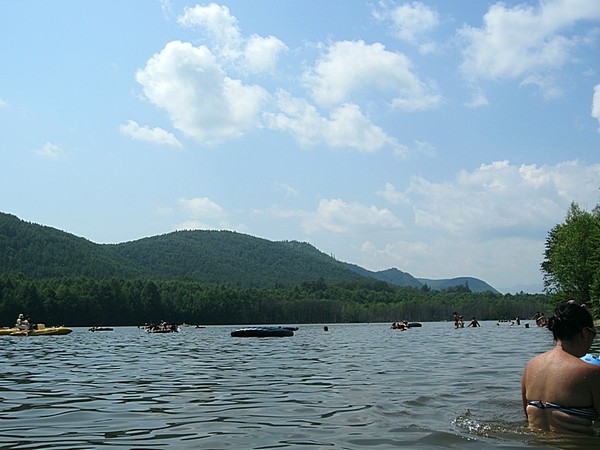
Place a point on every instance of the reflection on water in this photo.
(357, 386)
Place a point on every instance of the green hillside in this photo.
(226, 257)
(399, 278)
(393, 276)
(230, 257)
(38, 251)
(474, 284)
(212, 256)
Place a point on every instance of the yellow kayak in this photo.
(41, 330)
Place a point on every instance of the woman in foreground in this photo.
(561, 393)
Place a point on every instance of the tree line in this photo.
(571, 270)
(571, 266)
(81, 301)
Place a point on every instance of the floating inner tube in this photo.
(414, 325)
(592, 359)
(264, 332)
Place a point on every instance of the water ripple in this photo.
(355, 387)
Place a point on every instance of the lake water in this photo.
(357, 386)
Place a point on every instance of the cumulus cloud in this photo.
(498, 212)
(339, 217)
(346, 126)
(202, 207)
(256, 54)
(524, 42)
(261, 53)
(596, 104)
(200, 99)
(146, 134)
(349, 67)
(411, 22)
(392, 195)
(499, 197)
(50, 151)
(218, 22)
(205, 214)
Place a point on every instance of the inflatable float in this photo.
(264, 332)
(40, 330)
(592, 359)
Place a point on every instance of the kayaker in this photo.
(23, 322)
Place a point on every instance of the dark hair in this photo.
(568, 320)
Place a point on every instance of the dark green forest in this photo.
(79, 301)
(218, 277)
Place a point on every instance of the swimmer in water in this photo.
(560, 392)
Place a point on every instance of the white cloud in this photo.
(498, 261)
(478, 99)
(339, 217)
(201, 213)
(351, 67)
(3, 103)
(345, 127)
(524, 42)
(50, 151)
(146, 134)
(261, 54)
(200, 99)
(219, 23)
(256, 54)
(596, 104)
(500, 197)
(201, 207)
(392, 195)
(167, 8)
(411, 22)
(494, 219)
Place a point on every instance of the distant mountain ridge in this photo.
(399, 278)
(212, 256)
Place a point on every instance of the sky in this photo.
(442, 138)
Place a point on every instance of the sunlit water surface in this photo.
(357, 386)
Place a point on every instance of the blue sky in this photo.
(443, 138)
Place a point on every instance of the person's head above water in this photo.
(568, 320)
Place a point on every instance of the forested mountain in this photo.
(232, 258)
(393, 276)
(474, 284)
(226, 257)
(38, 251)
(218, 277)
(399, 278)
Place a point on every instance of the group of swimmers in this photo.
(459, 322)
(560, 391)
(162, 327)
(401, 326)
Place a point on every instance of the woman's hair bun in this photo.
(569, 319)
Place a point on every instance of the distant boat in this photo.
(264, 332)
(163, 329)
(101, 329)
